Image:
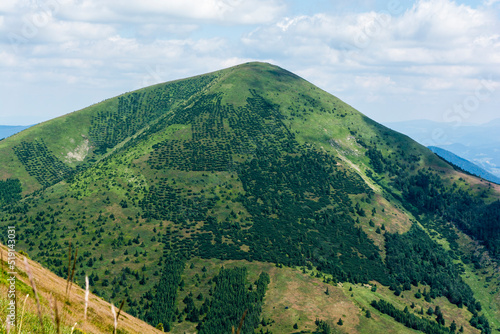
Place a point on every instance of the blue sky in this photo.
(393, 60)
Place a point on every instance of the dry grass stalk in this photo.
(22, 314)
(73, 270)
(241, 323)
(32, 281)
(116, 316)
(73, 328)
(2, 264)
(86, 296)
(69, 266)
(57, 319)
(121, 307)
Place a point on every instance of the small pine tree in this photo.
(453, 327)
(368, 314)
(440, 319)
(340, 322)
(295, 326)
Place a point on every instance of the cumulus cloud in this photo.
(377, 59)
(229, 11)
(491, 2)
(461, 40)
(433, 48)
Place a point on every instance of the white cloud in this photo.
(430, 33)
(374, 82)
(491, 2)
(230, 11)
(8, 5)
(166, 29)
(435, 50)
(63, 31)
(441, 23)
(369, 58)
(7, 59)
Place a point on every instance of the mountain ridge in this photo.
(9, 130)
(464, 164)
(476, 143)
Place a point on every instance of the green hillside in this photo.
(253, 165)
(60, 310)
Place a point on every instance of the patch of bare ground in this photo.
(388, 216)
(294, 297)
(394, 219)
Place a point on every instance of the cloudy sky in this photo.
(393, 60)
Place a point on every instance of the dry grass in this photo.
(294, 297)
(99, 318)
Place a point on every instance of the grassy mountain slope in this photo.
(255, 164)
(70, 306)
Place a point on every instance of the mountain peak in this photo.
(250, 163)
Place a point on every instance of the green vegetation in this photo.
(41, 163)
(248, 164)
(429, 194)
(408, 319)
(231, 300)
(10, 191)
(138, 109)
(163, 303)
(414, 259)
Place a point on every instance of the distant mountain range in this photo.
(480, 144)
(9, 130)
(464, 164)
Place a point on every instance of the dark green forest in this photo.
(425, 192)
(41, 163)
(10, 191)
